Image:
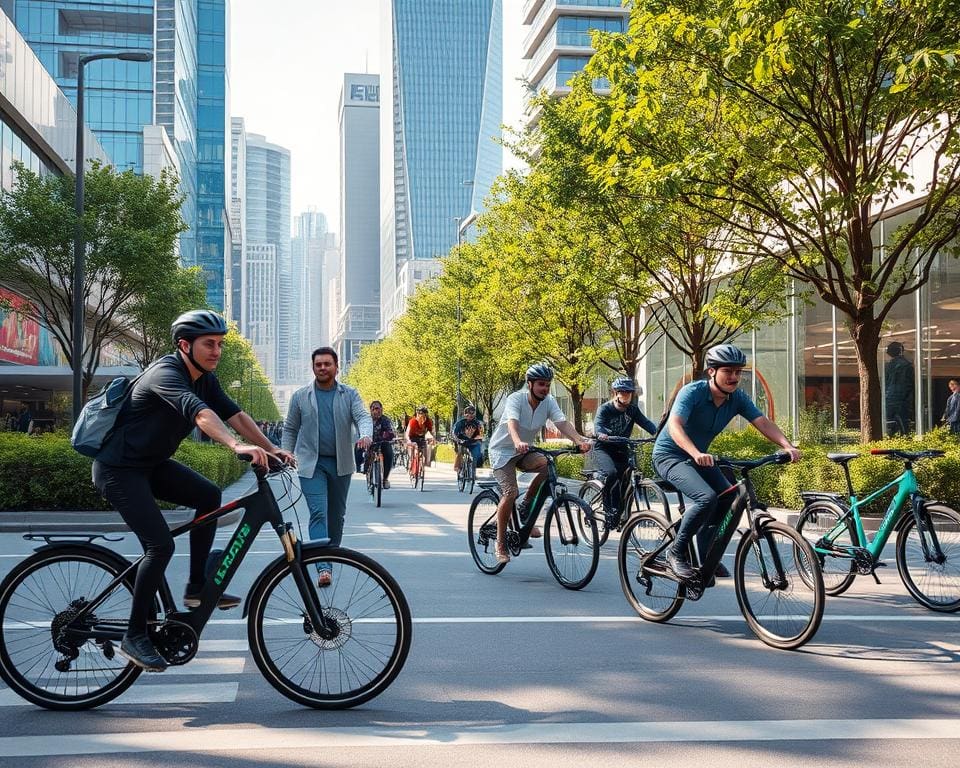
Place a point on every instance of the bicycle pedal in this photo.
(879, 564)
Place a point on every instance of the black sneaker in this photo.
(721, 572)
(679, 564)
(191, 598)
(140, 650)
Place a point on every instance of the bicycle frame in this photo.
(260, 508)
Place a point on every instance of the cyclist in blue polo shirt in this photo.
(700, 412)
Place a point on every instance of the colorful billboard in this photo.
(19, 335)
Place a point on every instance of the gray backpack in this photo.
(99, 416)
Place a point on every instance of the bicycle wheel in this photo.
(781, 606)
(592, 494)
(421, 470)
(368, 650)
(815, 522)
(377, 482)
(655, 598)
(571, 554)
(472, 476)
(462, 475)
(413, 471)
(647, 496)
(482, 531)
(935, 585)
(39, 597)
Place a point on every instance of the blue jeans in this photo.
(702, 486)
(476, 451)
(326, 494)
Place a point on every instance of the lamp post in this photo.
(78, 243)
(462, 223)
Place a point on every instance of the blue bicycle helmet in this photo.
(726, 356)
(624, 384)
(539, 372)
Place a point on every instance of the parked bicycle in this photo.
(637, 493)
(928, 534)
(374, 471)
(776, 573)
(400, 458)
(467, 473)
(64, 611)
(572, 555)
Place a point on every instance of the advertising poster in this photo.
(19, 336)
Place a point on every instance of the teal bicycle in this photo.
(928, 535)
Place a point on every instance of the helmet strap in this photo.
(191, 358)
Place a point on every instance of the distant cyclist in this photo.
(177, 393)
(700, 412)
(616, 418)
(383, 433)
(469, 434)
(419, 432)
(525, 413)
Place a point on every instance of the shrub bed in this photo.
(43, 472)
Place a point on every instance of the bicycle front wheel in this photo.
(655, 598)
(934, 583)
(779, 586)
(462, 476)
(368, 650)
(592, 494)
(647, 496)
(471, 476)
(816, 521)
(40, 659)
(421, 469)
(482, 532)
(377, 482)
(572, 554)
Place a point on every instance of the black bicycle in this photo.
(374, 471)
(776, 574)
(64, 611)
(572, 554)
(637, 493)
(467, 473)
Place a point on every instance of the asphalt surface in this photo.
(515, 670)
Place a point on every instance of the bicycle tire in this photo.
(377, 483)
(571, 555)
(421, 470)
(815, 521)
(783, 612)
(939, 587)
(32, 595)
(482, 531)
(654, 598)
(413, 472)
(462, 476)
(648, 496)
(472, 479)
(375, 628)
(591, 492)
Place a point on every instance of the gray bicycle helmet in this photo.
(539, 372)
(198, 322)
(624, 384)
(726, 356)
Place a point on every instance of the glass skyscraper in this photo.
(441, 110)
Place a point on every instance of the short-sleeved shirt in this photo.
(417, 430)
(529, 424)
(702, 419)
(616, 423)
(161, 412)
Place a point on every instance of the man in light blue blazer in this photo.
(319, 431)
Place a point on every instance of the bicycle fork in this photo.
(924, 529)
(293, 549)
(779, 578)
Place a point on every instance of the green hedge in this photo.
(44, 472)
(444, 452)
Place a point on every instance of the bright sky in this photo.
(288, 58)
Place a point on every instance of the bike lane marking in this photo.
(259, 738)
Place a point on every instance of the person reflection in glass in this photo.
(898, 390)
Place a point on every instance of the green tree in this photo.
(130, 224)
(153, 312)
(824, 118)
(243, 378)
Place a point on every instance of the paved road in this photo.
(515, 670)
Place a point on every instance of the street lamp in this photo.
(78, 244)
(462, 223)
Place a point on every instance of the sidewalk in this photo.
(108, 521)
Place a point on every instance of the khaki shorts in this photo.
(506, 475)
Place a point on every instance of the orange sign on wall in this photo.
(19, 335)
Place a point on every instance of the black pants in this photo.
(132, 492)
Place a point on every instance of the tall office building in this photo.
(124, 97)
(267, 212)
(238, 219)
(260, 299)
(359, 318)
(443, 102)
(307, 257)
(557, 45)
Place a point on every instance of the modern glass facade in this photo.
(213, 118)
(440, 117)
(807, 362)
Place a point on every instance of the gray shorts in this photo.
(506, 475)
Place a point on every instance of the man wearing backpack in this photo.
(134, 467)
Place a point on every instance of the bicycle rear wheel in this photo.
(572, 554)
(655, 598)
(39, 659)
(779, 586)
(592, 494)
(815, 522)
(373, 630)
(935, 585)
(482, 532)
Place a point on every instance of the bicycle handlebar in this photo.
(553, 452)
(896, 453)
(745, 465)
(631, 441)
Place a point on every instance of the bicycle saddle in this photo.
(842, 458)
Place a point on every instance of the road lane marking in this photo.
(154, 693)
(259, 738)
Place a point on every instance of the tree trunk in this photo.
(576, 397)
(866, 340)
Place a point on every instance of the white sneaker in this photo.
(503, 556)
